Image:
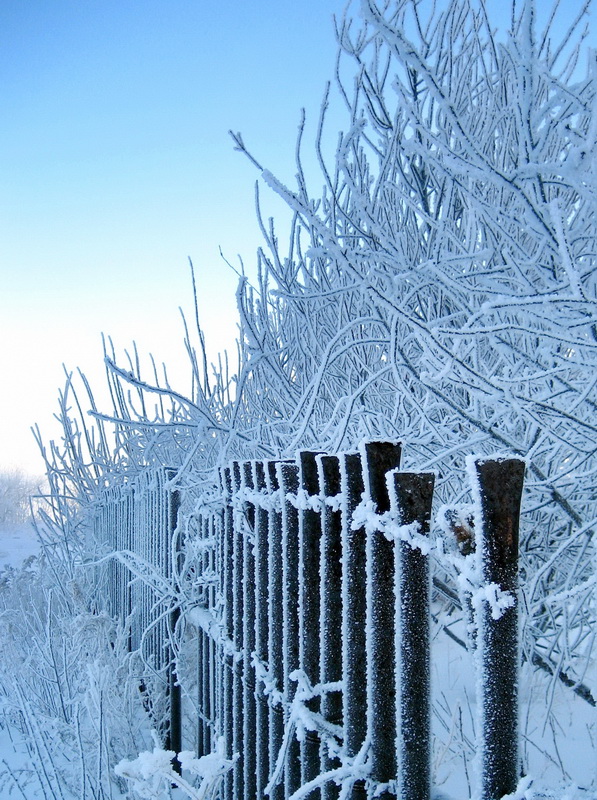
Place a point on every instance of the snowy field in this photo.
(17, 543)
(548, 749)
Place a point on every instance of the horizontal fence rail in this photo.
(312, 627)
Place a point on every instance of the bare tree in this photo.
(442, 287)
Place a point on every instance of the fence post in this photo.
(261, 629)
(309, 606)
(205, 646)
(237, 628)
(287, 474)
(354, 620)
(209, 671)
(249, 703)
(380, 458)
(174, 738)
(213, 599)
(411, 496)
(126, 543)
(275, 625)
(499, 487)
(330, 647)
(228, 616)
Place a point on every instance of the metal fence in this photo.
(136, 522)
(313, 647)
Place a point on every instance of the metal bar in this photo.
(237, 634)
(213, 598)
(261, 630)
(378, 459)
(354, 617)
(228, 618)
(249, 703)
(216, 609)
(411, 496)
(275, 625)
(288, 480)
(309, 608)
(330, 640)
(499, 486)
(174, 690)
(201, 746)
(205, 522)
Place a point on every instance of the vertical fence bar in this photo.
(107, 533)
(499, 487)
(330, 640)
(135, 590)
(237, 689)
(216, 609)
(201, 745)
(411, 497)
(354, 618)
(205, 680)
(213, 694)
(228, 618)
(288, 480)
(261, 629)
(126, 542)
(202, 648)
(249, 711)
(174, 741)
(380, 458)
(309, 605)
(275, 625)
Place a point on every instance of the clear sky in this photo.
(115, 165)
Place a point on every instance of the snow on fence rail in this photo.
(313, 651)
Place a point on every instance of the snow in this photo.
(17, 543)
(151, 775)
(18, 777)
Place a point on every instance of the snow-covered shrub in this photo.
(16, 491)
(69, 686)
(152, 775)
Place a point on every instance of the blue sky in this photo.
(116, 165)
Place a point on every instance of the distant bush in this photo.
(16, 489)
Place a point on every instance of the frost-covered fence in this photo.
(314, 649)
(136, 522)
(310, 657)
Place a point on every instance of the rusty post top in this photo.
(500, 484)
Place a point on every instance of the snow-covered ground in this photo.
(17, 777)
(551, 745)
(17, 542)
